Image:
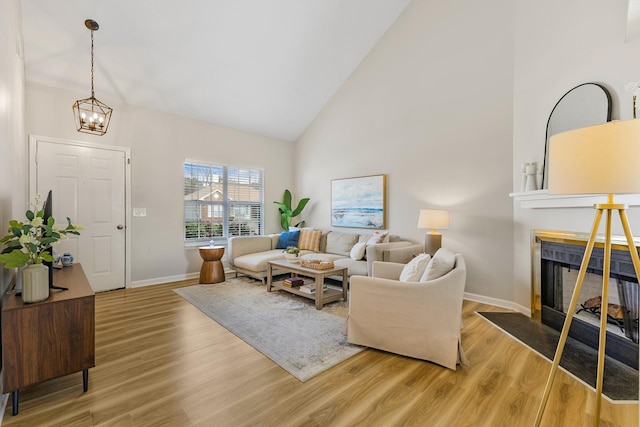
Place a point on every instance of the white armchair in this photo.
(415, 319)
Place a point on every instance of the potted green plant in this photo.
(28, 244)
(292, 254)
(286, 211)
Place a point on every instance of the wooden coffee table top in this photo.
(296, 267)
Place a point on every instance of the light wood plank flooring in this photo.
(161, 362)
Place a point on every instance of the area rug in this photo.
(284, 327)
(620, 381)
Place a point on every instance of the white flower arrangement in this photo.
(29, 242)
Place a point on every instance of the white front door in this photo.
(89, 186)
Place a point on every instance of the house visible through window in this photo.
(221, 201)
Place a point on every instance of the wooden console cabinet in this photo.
(49, 339)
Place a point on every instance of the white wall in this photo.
(559, 45)
(159, 145)
(431, 107)
(12, 146)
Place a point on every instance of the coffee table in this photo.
(321, 297)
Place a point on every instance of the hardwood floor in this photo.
(161, 362)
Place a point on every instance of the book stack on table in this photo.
(293, 282)
(311, 288)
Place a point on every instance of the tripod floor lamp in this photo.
(603, 159)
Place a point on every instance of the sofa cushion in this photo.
(353, 267)
(442, 262)
(413, 271)
(258, 261)
(358, 251)
(288, 238)
(310, 239)
(340, 243)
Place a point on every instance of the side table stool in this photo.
(212, 270)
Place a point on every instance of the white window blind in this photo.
(221, 201)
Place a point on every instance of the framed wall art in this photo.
(359, 202)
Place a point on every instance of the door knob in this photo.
(120, 227)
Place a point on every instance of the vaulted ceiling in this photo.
(263, 66)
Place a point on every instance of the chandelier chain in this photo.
(92, 93)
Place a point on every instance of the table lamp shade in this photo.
(435, 219)
(602, 159)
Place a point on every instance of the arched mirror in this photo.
(585, 105)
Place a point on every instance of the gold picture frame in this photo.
(359, 202)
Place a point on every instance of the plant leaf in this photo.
(300, 207)
(285, 220)
(14, 259)
(46, 256)
(287, 199)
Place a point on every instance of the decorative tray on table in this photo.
(317, 264)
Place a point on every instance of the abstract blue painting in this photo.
(359, 202)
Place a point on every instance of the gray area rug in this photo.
(284, 327)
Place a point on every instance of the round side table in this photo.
(212, 270)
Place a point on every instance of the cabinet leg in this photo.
(85, 380)
(14, 404)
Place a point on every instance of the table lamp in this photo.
(435, 219)
(602, 159)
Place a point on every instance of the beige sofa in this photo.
(249, 254)
(415, 319)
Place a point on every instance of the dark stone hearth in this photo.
(620, 381)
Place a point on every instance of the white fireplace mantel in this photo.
(541, 199)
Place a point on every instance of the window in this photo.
(221, 201)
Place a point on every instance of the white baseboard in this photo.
(498, 303)
(169, 279)
(160, 280)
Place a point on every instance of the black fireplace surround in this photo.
(554, 256)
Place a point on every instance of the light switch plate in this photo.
(139, 212)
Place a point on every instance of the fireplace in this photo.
(556, 259)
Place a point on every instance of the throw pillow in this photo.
(383, 233)
(443, 262)
(310, 239)
(358, 250)
(377, 237)
(288, 238)
(413, 271)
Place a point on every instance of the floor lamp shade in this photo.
(602, 159)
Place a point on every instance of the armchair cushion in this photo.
(413, 271)
(441, 263)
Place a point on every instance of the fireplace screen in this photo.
(559, 266)
(622, 307)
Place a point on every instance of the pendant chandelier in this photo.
(91, 115)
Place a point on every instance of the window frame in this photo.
(196, 209)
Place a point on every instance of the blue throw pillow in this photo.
(288, 238)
